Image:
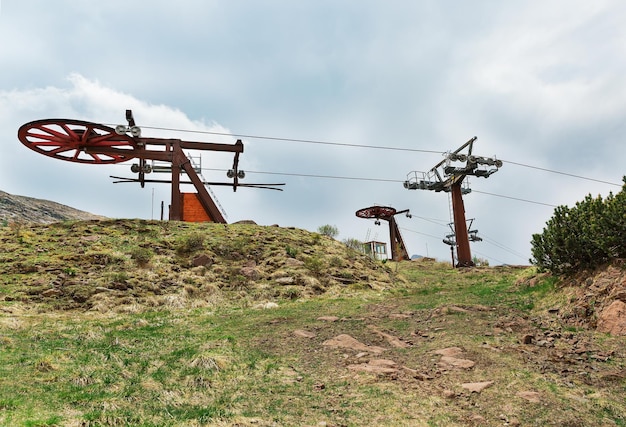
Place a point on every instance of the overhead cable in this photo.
(306, 141)
(377, 147)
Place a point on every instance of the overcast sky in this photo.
(540, 83)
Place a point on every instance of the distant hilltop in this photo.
(28, 209)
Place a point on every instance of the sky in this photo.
(310, 87)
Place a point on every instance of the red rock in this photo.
(328, 318)
(477, 387)
(453, 362)
(450, 351)
(531, 396)
(346, 341)
(304, 334)
(613, 319)
(377, 366)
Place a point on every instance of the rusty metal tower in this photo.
(449, 176)
(92, 143)
(386, 213)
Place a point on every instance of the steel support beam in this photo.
(464, 255)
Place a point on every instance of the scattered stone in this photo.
(393, 341)
(613, 319)
(250, 272)
(292, 262)
(531, 396)
(448, 362)
(528, 339)
(477, 419)
(376, 366)
(449, 394)
(450, 351)
(266, 305)
(304, 334)
(477, 387)
(417, 375)
(52, 292)
(285, 280)
(202, 260)
(399, 316)
(328, 318)
(346, 341)
(614, 375)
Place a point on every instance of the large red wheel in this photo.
(77, 141)
(378, 212)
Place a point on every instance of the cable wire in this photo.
(489, 257)
(514, 198)
(377, 147)
(306, 141)
(501, 246)
(562, 173)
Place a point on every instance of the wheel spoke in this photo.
(76, 141)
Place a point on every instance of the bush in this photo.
(328, 230)
(588, 235)
(190, 243)
(141, 256)
(355, 244)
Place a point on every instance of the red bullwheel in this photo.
(77, 141)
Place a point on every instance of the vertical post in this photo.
(398, 251)
(395, 255)
(463, 252)
(175, 208)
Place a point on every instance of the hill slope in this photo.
(113, 263)
(123, 322)
(27, 209)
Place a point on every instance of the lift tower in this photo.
(386, 213)
(91, 143)
(449, 176)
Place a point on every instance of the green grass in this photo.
(233, 363)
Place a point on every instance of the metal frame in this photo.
(386, 213)
(450, 175)
(91, 143)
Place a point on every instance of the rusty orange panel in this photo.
(192, 209)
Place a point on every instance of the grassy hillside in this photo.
(163, 323)
(28, 209)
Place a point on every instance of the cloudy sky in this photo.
(542, 84)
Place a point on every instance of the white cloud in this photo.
(539, 83)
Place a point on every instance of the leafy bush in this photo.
(190, 243)
(328, 230)
(315, 264)
(588, 235)
(353, 243)
(291, 252)
(141, 256)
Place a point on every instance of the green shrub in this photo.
(315, 265)
(588, 235)
(291, 252)
(328, 230)
(190, 243)
(353, 243)
(141, 255)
